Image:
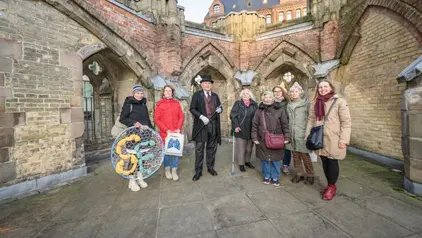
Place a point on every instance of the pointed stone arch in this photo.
(210, 60)
(285, 57)
(289, 42)
(407, 15)
(207, 56)
(286, 53)
(133, 58)
(204, 46)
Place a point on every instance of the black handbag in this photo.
(315, 140)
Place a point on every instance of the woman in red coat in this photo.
(169, 118)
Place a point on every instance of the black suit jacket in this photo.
(198, 108)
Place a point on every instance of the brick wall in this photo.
(385, 48)
(131, 28)
(42, 80)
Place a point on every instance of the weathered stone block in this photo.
(4, 155)
(9, 120)
(6, 64)
(78, 87)
(70, 59)
(405, 146)
(1, 79)
(7, 172)
(77, 114)
(3, 5)
(415, 147)
(77, 129)
(76, 101)
(413, 169)
(415, 124)
(10, 49)
(7, 137)
(65, 117)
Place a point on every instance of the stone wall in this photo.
(386, 46)
(42, 88)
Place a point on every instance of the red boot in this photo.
(330, 192)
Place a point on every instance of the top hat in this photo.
(206, 78)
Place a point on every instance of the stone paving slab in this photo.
(369, 203)
(234, 210)
(360, 222)
(277, 202)
(401, 213)
(263, 229)
(185, 220)
(307, 224)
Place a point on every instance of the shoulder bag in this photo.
(272, 141)
(315, 140)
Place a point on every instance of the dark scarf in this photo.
(320, 105)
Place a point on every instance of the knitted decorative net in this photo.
(137, 153)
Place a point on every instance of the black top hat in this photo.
(206, 78)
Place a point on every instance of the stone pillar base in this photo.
(412, 187)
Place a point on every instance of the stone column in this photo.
(412, 139)
(411, 108)
(75, 114)
(10, 51)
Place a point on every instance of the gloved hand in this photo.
(219, 110)
(204, 119)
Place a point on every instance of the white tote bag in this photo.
(174, 144)
(314, 157)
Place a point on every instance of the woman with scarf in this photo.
(241, 116)
(270, 117)
(337, 129)
(169, 118)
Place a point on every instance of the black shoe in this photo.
(197, 176)
(212, 172)
(309, 181)
(242, 168)
(249, 165)
(297, 179)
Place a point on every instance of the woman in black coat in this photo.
(135, 113)
(241, 116)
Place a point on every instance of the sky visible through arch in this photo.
(195, 10)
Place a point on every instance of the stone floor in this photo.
(370, 203)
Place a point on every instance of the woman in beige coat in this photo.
(337, 130)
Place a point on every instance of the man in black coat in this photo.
(205, 108)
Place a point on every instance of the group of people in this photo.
(280, 112)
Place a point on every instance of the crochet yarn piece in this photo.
(137, 153)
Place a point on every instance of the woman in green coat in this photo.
(297, 110)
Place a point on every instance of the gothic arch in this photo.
(286, 53)
(313, 55)
(401, 12)
(204, 46)
(134, 59)
(208, 56)
(89, 50)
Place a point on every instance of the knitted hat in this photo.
(137, 88)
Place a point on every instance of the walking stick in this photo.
(233, 154)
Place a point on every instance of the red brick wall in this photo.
(138, 32)
(329, 40)
(385, 48)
